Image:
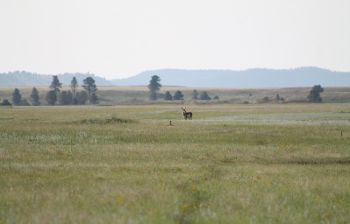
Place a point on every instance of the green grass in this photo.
(125, 164)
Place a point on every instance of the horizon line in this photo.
(176, 69)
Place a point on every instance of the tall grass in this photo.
(125, 164)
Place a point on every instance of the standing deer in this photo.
(187, 115)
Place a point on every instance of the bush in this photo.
(25, 102)
(178, 95)
(168, 96)
(93, 98)
(82, 97)
(266, 99)
(204, 96)
(6, 102)
(65, 98)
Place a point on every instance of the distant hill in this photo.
(251, 78)
(22, 78)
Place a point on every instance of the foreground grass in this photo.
(231, 164)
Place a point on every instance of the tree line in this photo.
(88, 94)
(55, 95)
(154, 88)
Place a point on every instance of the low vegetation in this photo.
(140, 95)
(112, 120)
(255, 163)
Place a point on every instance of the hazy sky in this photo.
(119, 38)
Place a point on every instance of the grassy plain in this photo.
(124, 164)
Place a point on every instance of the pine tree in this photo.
(315, 94)
(34, 96)
(74, 87)
(195, 95)
(154, 87)
(55, 84)
(278, 98)
(51, 97)
(91, 89)
(16, 97)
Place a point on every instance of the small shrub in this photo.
(6, 102)
(204, 96)
(168, 96)
(112, 120)
(178, 95)
(25, 102)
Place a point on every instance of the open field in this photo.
(139, 94)
(264, 163)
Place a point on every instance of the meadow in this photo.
(243, 163)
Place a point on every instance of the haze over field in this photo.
(121, 38)
(252, 78)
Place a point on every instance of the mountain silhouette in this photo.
(23, 78)
(250, 78)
